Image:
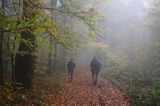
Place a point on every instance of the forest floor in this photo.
(81, 92)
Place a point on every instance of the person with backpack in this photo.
(71, 65)
(95, 68)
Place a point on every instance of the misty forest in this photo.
(79, 52)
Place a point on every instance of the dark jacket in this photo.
(95, 65)
(71, 65)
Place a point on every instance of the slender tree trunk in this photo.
(50, 57)
(55, 57)
(13, 68)
(53, 5)
(63, 58)
(13, 59)
(64, 50)
(1, 50)
(1, 58)
(49, 68)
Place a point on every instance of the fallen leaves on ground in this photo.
(81, 92)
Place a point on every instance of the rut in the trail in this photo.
(82, 93)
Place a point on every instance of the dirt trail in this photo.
(82, 93)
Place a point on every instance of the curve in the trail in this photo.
(81, 92)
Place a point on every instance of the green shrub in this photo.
(142, 86)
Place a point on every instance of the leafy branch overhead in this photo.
(43, 22)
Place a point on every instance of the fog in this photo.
(123, 29)
(80, 52)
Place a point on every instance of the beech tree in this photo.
(36, 22)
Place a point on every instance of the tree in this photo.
(50, 61)
(35, 22)
(154, 31)
(1, 58)
(1, 46)
(24, 65)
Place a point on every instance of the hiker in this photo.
(95, 69)
(71, 65)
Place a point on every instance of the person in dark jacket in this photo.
(95, 69)
(71, 65)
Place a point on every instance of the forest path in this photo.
(81, 92)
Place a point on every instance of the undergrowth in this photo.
(12, 94)
(142, 86)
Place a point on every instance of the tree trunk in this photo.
(53, 5)
(1, 58)
(1, 49)
(13, 68)
(24, 64)
(50, 57)
(55, 57)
